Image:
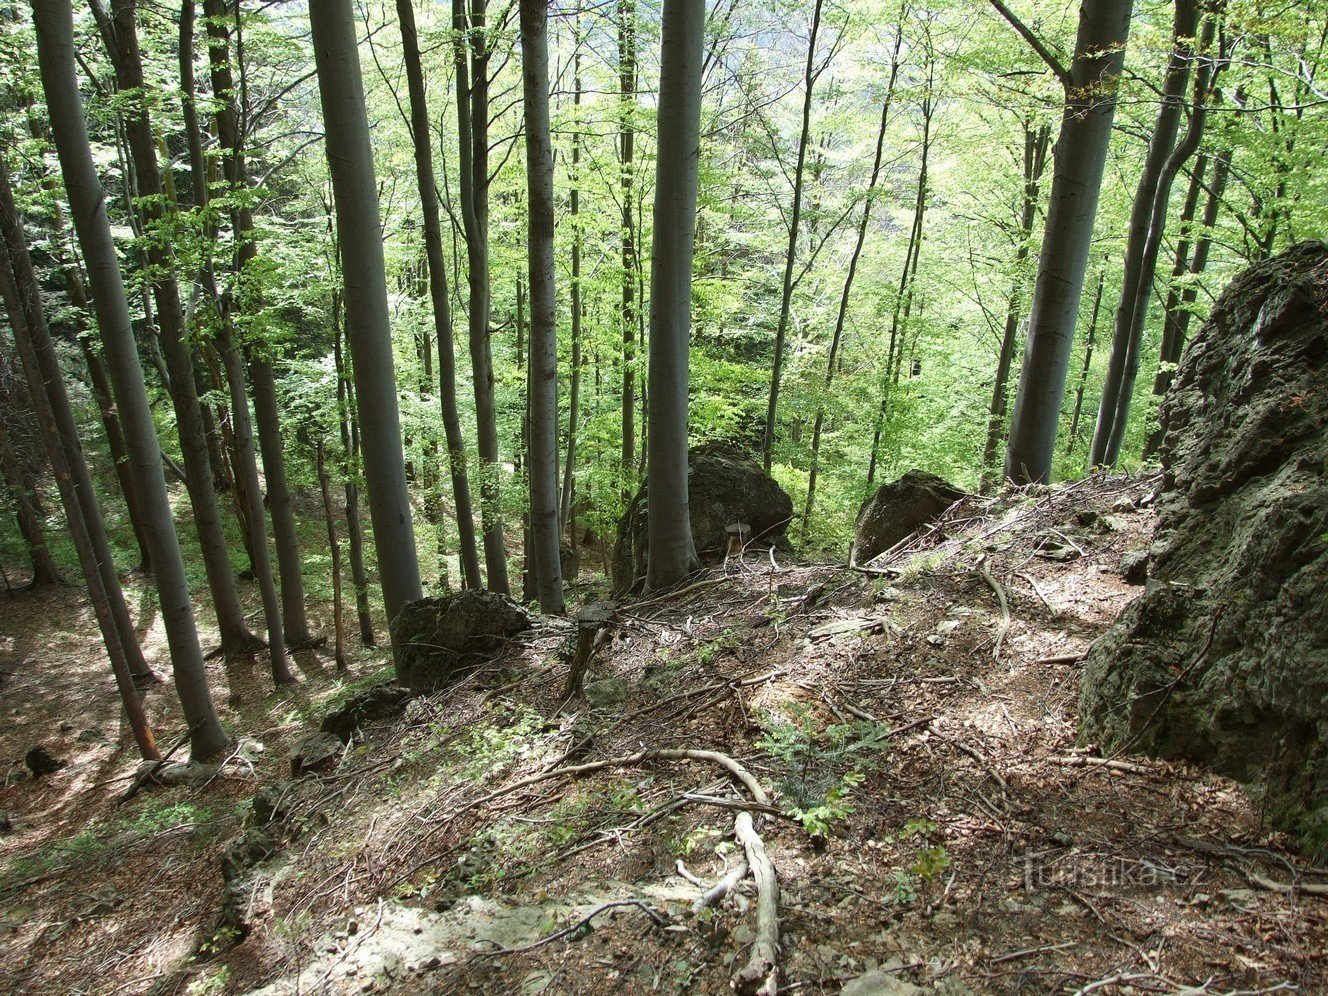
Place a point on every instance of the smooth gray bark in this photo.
(438, 293)
(627, 194)
(55, 54)
(543, 469)
(355, 190)
(262, 378)
(672, 554)
(1035, 158)
(473, 45)
(1078, 162)
(247, 493)
(120, 33)
(368, 331)
(1143, 292)
(59, 434)
(1146, 193)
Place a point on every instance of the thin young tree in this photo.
(438, 292)
(473, 48)
(1160, 143)
(626, 15)
(1079, 159)
(841, 314)
(1036, 141)
(565, 519)
(810, 74)
(1119, 415)
(543, 468)
(671, 550)
(350, 162)
(87, 201)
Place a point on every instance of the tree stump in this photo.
(589, 622)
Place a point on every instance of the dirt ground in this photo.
(933, 817)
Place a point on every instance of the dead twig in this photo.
(1005, 607)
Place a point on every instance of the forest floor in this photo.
(934, 818)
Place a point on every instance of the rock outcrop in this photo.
(1224, 659)
(725, 486)
(898, 508)
(438, 640)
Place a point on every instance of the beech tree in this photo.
(473, 48)
(421, 136)
(18, 288)
(1078, 162)
(672, 553)
(350, 162)
(543, 445)
(55, 54)
(120, 35)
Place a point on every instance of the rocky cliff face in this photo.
(1224, 660)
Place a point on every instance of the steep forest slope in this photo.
(932, 820)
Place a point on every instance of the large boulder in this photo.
(725, 486)
(898, 508)
(1224, 659)
(438, 640)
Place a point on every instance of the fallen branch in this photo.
(145, 776)
(761, 973)
(1305, 888)
(716, 893)
(1005, 607)
(1080, 761)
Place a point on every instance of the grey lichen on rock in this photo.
(438, 640)
(1224, 659)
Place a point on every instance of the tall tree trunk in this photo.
(543, 468)
(101, 387)
(350, 162)
(1073, 434)
(574, 398)
(55, 54)
(350, 446)
(18, 288)
(473, 45)
(627, 234)
(809, 77)
(832, 358)
(1143, 293)
(120, 33)
(1035, 158)
(262, 379)
(1078, 162)
(672, 554)
(1141, 215)
(438, 292)
(248, 496)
